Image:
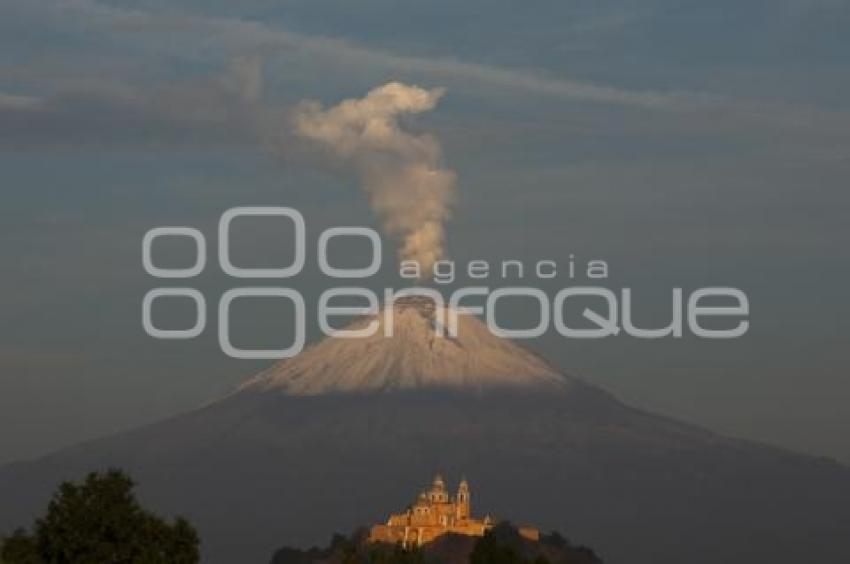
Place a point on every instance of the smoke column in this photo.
(399, 171)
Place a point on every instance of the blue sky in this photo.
(687, 143)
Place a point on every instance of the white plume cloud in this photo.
(401, 172)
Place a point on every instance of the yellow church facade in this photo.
(434, 513)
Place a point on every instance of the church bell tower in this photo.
(463, 502)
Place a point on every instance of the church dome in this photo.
(438, 483)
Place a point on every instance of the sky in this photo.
(687, 144)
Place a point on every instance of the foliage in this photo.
(395, 555)
(351, 550)
(503, 544)
(19, 548)
(495, 548)
(100, 521)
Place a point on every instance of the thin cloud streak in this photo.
(233, 100)
(237, 36)
(17, 102)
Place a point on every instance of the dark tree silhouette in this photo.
(490, 550)
(503, 544)
(20, 548)
(100, 521)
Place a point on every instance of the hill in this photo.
(501, 545)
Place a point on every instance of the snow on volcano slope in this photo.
(414, 357)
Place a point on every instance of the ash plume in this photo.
(401, 172)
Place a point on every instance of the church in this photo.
(435, 512)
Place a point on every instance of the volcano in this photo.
(415, 357)
(334, 438)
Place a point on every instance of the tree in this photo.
(491, 550)
(395, 555)
(19, 548)
(100, 521)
